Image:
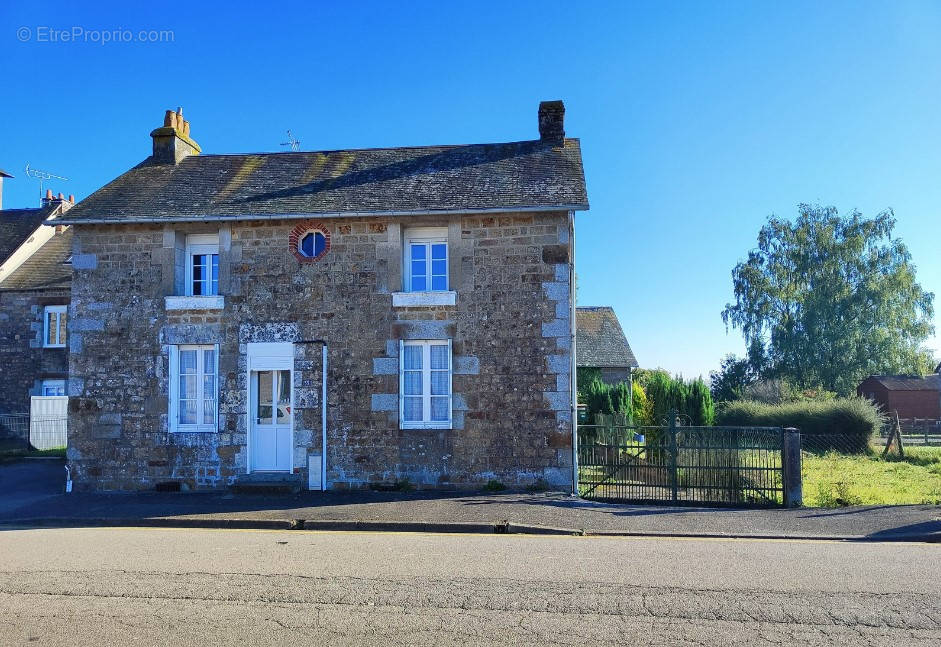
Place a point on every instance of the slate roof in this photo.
(908, 382)
(600, 340)
(16, 225)
(479, 177)
(45, 268)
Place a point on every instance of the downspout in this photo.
(573, 387)
(323, 423)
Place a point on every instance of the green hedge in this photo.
(843, 424)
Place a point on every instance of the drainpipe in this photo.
(323, 423)
(573, 387)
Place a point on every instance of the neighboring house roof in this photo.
(600, 340)
(45, 268)
(907, 382)
(530, 175)
(16, 226)
(4, 173)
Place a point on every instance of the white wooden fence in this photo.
(48, 421)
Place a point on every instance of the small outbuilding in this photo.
(911, 396)
(600, 344)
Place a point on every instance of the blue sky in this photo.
(697, 120)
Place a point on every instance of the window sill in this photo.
(194, 303)
(425, 425)
(54, 346)
(420, 299)
(194, 429)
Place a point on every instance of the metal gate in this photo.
(680, 465)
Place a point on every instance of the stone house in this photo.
(601, 344)
(34, 297)
(341, 319)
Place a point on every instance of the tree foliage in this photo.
(598, 398)
(826, 300)
(699, 405)
(692, 401)
(642, 412)
(733, 377)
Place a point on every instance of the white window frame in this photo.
(427, 236)
(174, 390)
(426, 422)
(59, 312)
(52, 384)
(197, 244)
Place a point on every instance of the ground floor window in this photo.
(194, 387)
(52, 387)
(425, 384)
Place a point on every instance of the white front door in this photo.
(270, 407)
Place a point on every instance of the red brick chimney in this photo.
(172, 142)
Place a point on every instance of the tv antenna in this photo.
(42, 176)
(292, 141)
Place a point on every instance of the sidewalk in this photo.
(554, 513)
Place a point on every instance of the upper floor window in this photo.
(202, 265)
(312, 244)
(310, 241)
(426, 259)
(54, 330)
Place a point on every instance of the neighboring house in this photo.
(601, 344)
(435, 281)
(34, 300)
(911, 396)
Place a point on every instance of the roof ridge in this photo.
(376, 148)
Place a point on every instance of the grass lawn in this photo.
(16, 449)
(836, 479)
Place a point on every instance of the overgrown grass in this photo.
(833, 479)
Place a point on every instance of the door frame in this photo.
(267, 356)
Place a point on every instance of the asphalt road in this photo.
(140, 587)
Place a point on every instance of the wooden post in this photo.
(791, 468)
(898, 435)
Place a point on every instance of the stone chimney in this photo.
(3, 174)
(172, 142)
(552, 121)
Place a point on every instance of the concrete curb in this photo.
(503, 527)
(930, 537)
(447, 527)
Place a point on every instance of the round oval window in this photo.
(312, 244)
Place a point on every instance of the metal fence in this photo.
(38, 432)
(840, 443)
(915, 431)
(683, 465)
(14, 429)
